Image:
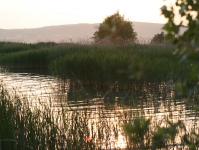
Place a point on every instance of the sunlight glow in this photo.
(39, 13)
(121, 143)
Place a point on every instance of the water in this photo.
(151, 100)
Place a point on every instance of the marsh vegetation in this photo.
(96, 63)
(134, 104)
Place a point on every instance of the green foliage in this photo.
(7, 131)
(103, 64)
(23, 126)
(9, 47)
(141, 136)
(158, 38)
(137, 133)
(163, 136)
(185, 14)
(28, 59)
(116, 29)
(94, 64)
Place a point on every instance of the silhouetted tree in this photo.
(158, 38)
(116, 29)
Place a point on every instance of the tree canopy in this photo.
(116, 29)
(182, 14)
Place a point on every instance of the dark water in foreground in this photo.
(151, 100)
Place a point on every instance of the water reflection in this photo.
(106, 107)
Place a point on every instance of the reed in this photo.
(95, 64)
(103, 64)
(23, 126)
(9, 47)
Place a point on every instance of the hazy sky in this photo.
(39, 13)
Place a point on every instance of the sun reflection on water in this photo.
(121, 142)
(157, 111)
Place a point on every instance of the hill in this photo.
(71, 33)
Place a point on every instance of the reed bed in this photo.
(9, 47)
(97, 63)
(42, 127)
(45, 127)
(116, 63)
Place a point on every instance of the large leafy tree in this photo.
(115, 28)
(185, 13)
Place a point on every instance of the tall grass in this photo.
(102, 64)
(9, 47)
(98, 64)
(23, 126)
(45, 127)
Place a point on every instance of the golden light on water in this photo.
(121, 142)
(157, 111)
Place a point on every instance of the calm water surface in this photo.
(152, 100)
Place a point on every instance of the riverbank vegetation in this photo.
(33, 128)
(26, 125)
(40, 127)
(96, 64)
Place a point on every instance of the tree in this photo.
(185, 14)
(158, 38)
(115, 28)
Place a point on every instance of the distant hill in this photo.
(71, 33)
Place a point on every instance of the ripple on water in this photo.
(153, 101)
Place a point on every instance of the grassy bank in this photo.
(94, 64)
